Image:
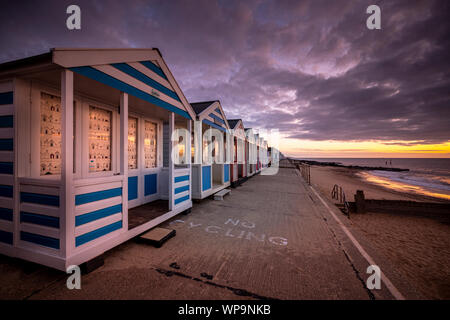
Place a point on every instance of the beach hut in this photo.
(210, 166)
(265, 155)
(274, 156)
(262, 152)
(258, 155)
(89, 154)
(238, 168)
(251, 152)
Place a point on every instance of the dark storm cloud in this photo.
(309, 68)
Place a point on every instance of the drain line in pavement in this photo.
(236, 291)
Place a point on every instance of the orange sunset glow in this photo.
(362, 149)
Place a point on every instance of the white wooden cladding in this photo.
(41, 210)
(182, 173)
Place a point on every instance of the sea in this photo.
(426, 176)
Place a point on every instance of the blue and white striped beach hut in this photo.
(86, 149)
(238, 167)
(251, 152)
(212, 147)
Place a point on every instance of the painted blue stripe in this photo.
(126, 68)
(98, 214)
(177, 201)
(218, 110)
(226, 172)
(39, 219)
(150, 184)
(181, 178)
(97, 233)
(39, 239)
(6, 121)
(212, 115)
(132, 188)
(44, 199)
(97, 196)
(212, 124)
(122, 86)
(181, 189)
(6, 214)
(154, 68)
(6, 191)
(6, 145)
(6, 97)
(6, 237)
(6, 167)
(206, 178)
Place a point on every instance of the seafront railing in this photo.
(305, 171)
(338, 194)
(303, 168)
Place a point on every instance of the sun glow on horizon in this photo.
(362, 149)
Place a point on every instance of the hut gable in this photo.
(139, 72)
(211, 113)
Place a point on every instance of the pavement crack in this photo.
(43, 288)
(358, 275)
(350, 261)
(236, 291)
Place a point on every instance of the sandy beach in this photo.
(349, 179)
(418, 246)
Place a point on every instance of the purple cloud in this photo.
(309, 68)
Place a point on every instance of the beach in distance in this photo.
(425, 179)
(417, 244)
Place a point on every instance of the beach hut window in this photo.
(150, 136)
(99, 139)
(132, 143)
(205, 150)
(50, 137)
(180, 147)
(206, 144)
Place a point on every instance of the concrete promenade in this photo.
(272, 237)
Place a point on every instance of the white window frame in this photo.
(159, 142)
(138, 139)
(141, 171)
(81, 148)
(34, 134)
(115, 141)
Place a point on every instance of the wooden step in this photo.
(157, 236)
(219, 195)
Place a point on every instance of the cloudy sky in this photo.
(310, 69)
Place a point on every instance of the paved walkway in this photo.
(272, 237)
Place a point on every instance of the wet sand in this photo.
(350, 181)
(418, 246)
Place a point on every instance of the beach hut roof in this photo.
(199, 107)
(139, 72)
(238, 127)
(233, 122)
(211, 113)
